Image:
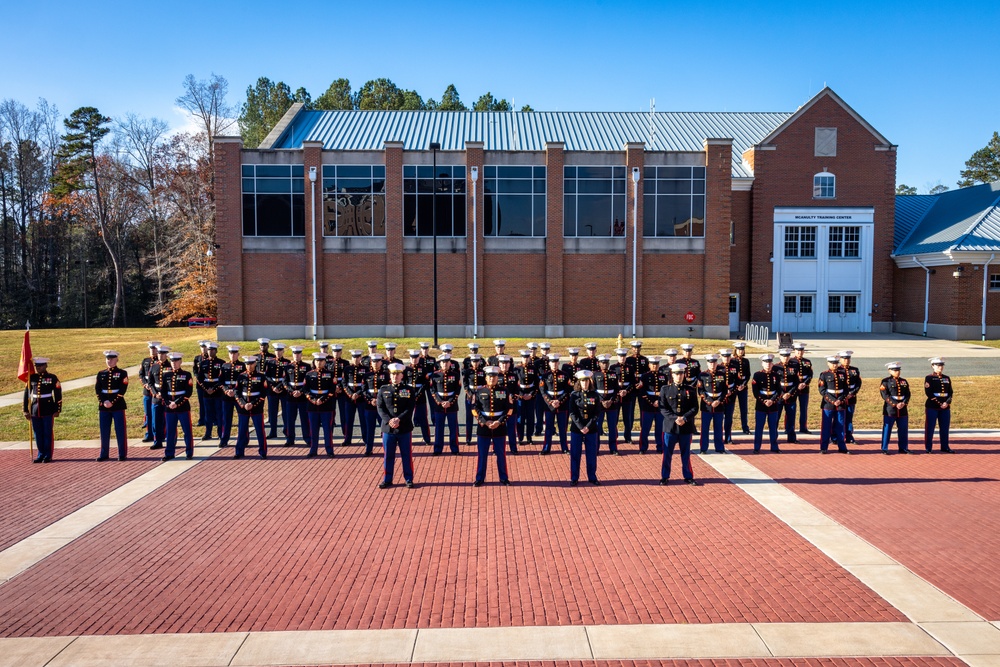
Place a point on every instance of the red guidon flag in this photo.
(27, 365)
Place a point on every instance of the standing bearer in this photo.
(527, 389)
(766, 392)
(175, 394)
(732, 377)
(395, 405)
(298, 401)
(832, 385)
(415, 376)
(251, 394)
(491, 408)
(353, 395)
(742, 366)
(606, 384)
(156, 372)
(112, 383)
(273, 368)
(446, 386)
(472, 379)
(713, 390)
(678, 405)
(589, 362)
(376, 377)
(541, 361)
(555, 390)
(42, 404)
(853, 387)
(650, 413)
(508, 381)
(321, 391)
(584, 413)
(895, 398)
(804, 368)
(208, 375)
(637, 365)
(231, 372)
(939, 391)
(147, 389)
(788, 388)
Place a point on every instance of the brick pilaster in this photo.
(718, 215)
(312, 156)
(554, 161)
(474, 157)
(393, 238)
(229, 229)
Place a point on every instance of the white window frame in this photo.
(798, 242)
(842, 243)
(995, 282)
(822, 189)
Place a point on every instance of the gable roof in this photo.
(826, 92)
(963, 220)
(525, 131)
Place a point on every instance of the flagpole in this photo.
(31, 431)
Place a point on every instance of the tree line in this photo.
(267, 101)
(108, 222)
(982, 167)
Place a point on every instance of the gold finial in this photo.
(621, 342)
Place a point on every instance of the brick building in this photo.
(783, 219)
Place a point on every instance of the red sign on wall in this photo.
(689, 317)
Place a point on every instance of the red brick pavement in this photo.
(33, 496)
(937, 514)
(718, 662)
(300, 544)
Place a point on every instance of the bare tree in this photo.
(206, 101)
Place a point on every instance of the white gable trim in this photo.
(826, 92)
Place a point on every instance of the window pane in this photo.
(247, 170)
(674, 172)
(274, 185)
(274, 215)
(618, 223)
(513, 172)
(539, 215)
(833, 306)
(378, 171)
(538, 172)
(569, 215)
(425, 216)
(248, 185)
(596, 187)
(732, 303)
(489, 171)
(354, 215)
(443, 214)
(649, 215)
(458, 185)
(488, 215)
(569, 172)
(672, 214)
(539, 185)
(805, 304)
(273, 170)
(594, 215)
(648, 173)
(513, 215)
(569, 187)
(409, 215)
(509, 186)
(425, 171)
(298, 215)
(354, 171)
(790, 302)
(410, 171)
(593, 172)
(249, 215)
(298, 170)
(697, 216)
(459, 214)
(850, 303)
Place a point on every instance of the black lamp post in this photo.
(435, 147)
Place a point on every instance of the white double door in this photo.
(842, 313)
(799, 312)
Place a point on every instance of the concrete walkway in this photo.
(17, 397)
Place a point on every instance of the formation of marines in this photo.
(510, 404)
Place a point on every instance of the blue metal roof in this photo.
(967, 219)
(530, 131)
(909, 210)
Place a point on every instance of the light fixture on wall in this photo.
(959, 271)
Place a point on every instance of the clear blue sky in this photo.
(920, 72)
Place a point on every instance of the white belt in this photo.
(253, 393)
(712, 395)
(554, 393)
(941, 395)
(41, 395)
(355, 385)
(767, 393)
(626, 385)
(652, 393)
(175, 393)
(835, 391)
(319, 391)
(445, 394)
(526, 386)
(492, 414)
(605, 391)
(787, 384)
(897, 398)
(296, 384)
(230, 381)
(109, 391)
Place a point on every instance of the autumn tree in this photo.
(984, 165)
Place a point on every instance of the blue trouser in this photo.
(226, 427)
(297, 411)
(171, 420)
(741, 396)
(273, 402)
(771, 419)
(803, 401)
(344, 405)
(832, 426)
(649, 418)
(849, 424)
(540, 411)
(420, 419)
(348, 416)
(200, 393)
(552, 418)
(525, 418)
(483, 444)
(670, 440)
(512, 434)
(440, 419)
(943, 420)
(902, 433)
(214, 414)
(469, 422)
(44, 435)
(159, 424)
(369, 419)
(243, 433)
(612, 420)
(147, 412)
(320, 419)
(788, 411)
(390, 441)
(715, 420)
(727, 422)
(577, 442)
(628, 415)
(105, 420)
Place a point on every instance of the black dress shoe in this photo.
(477, 483)
(574, 483)
(207, 437)
(47, 459)
(746, 431)
(147, 439)
(846, 451)
(385, 485)
(663, 482)
(166, 458)
(155, 446)
(123, 458)
(505, 482)
(948, 451)
(595, 482)
(691, 482)
(310, 455)
(263, 456)
(239, 456)
(103, 458)
(886, 452)
(38, 460)
(189, 456)
(543, 452)
(805, 431)
(410, 485)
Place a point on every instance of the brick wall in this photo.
(718, 214)
(229, 229)
(269, 282)
(739, 256)
(515, 289)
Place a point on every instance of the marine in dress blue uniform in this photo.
(589, 361)
(208, 376)
(492, 408)
(445, 390)
(895, 391)
(678, 404)
(803, 367)
(853, 389)
(607, 387)
(742, 366)
(499, 348)
(650, 415)
(147, 389)
(377, 376)
(298, 399)
(353, 393)
(766, 389)
(508, 380)
(584, 413)
(251, 395)
(466, 363)
(231, 372)
(732, 377)
(156, 373)
(527, 391)
(395, 405)
(937, 409)
(195, 363)
(832, 387)
(416, 377)
(788, 388)
(41, 404)
(555, 391)
(111, 385)
(175, 395)
(273, 369)
(540, 357)
(321, 392)
(637, 365)
(713, 389)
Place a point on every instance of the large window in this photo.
(273, 200)
(594, 201)
(420, 197)
(845, 242)
(673, 202)
(353, 200)
(515, 201)
(995, 281)
(800, 242)
(824, 186)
